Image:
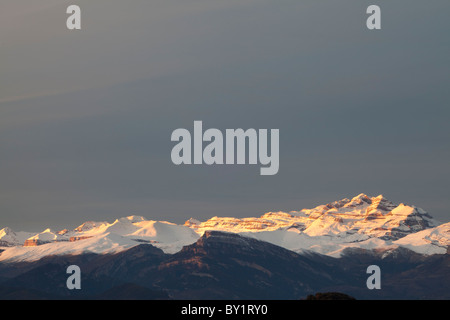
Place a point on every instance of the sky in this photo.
(86, 115)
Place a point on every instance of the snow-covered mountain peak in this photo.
(131, 219)
(192, 222)
(361, 201)
(380, 204)
(5, 231)
(362, 221)
(48, 235)
(428, 241)
(88, 225)
(360, 198)
(360, 217)
(7, 236)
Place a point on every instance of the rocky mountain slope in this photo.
(221, 265)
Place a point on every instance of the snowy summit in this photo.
(331, 229)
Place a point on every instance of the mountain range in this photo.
(279, 255)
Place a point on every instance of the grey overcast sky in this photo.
(86, 115)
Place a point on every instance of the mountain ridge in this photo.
(223, 265)
(331, 229)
